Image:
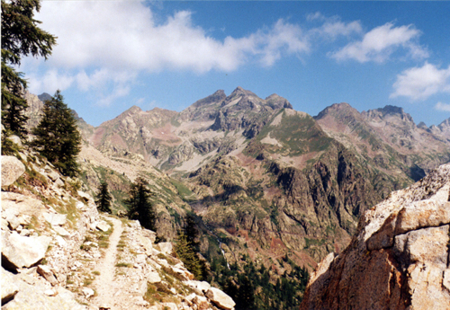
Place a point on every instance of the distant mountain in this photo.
(44, 97)
(274, 179)
(266, 180)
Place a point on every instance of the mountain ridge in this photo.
(339, 160)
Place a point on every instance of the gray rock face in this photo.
(12, 169)
(21, 251)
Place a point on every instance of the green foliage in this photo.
(139, 205)
(20, 37)
(57, 136)
(187, 247)
(251, 287)
(187, 254)
(103, 199)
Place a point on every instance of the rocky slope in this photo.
(399, 257)
(58, 252)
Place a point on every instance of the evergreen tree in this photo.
(191, 231)
(57, 136)
(188, 256)
(139, 205)
(187, 248)
(103, 198)
(20, 37)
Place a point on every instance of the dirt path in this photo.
(104, 284)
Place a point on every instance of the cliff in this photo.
(399, 257)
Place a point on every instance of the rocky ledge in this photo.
(399, 257)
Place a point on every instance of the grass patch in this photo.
(169, 260)
(123, 265)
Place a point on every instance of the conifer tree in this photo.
(139, 205)
(188, 256)
(57, 136)
(20, 37)
(103, 198)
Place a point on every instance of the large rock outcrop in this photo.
(12, 169)
(399, 258)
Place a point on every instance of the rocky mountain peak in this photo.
(44, 97)
(133, 110)
(338, 110)
(422, 125)
(445, 124)
(239, 91)
(218, 96)
(278, 102)
(388, 111)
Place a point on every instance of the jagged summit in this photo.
(336, 109)
(422, 125)
(239, 91)
(214, 98)
(388, 111)
(44, 97)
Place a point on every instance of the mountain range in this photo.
(263, 179)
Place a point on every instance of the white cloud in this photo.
(419, 83)
(283, 38)
(106, 44)
(118, 92)
(315, 16)
(379, 43)
(124, 35)
(442, 106)
(51, 81)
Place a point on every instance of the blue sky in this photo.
(112, 55)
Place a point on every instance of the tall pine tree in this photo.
(57, 136)
(139, 204)
(20, 37)
(103, 198)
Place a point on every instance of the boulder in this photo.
(88, 292)
(16, 140)
(86, 197)
(103, 226)
(55, 218)
(61, 231)
(201, 302)
(153, 277)
(202, 286)
(53, 175)
(47, 273)
(147, 244)
(32, 297)
(9, 288)
(220, 299)
(183, 273)
(149, 234)
(20, 251)
(166, 247)
(12, 169)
